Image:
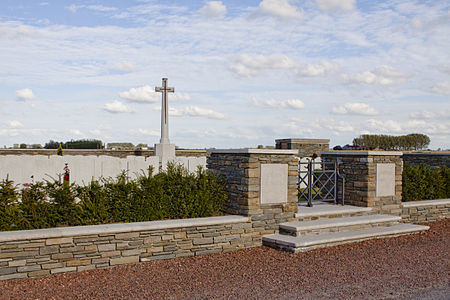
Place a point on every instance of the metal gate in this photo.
(320, 181)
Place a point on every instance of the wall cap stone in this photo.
(254, 151)
(425, 203)
(7, 236)
(304, 141)
(362, 153)
(427, 153)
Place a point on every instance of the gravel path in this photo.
(407, 267)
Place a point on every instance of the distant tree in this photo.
(414, 141)
(53, 145)
(338, 147)
(23, 146)
(84, 144)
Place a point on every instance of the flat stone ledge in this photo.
(425, 203)
(427, 153)
(325, 210)
(8, 236)
(255, 151)
(362, 153)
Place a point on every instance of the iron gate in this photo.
(320, 180)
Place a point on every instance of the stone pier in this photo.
(372, 178)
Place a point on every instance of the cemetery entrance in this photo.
(320, 181)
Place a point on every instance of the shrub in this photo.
(172, 194)
(425, 183)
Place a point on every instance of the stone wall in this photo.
(425, 211)
(99, 152)
(433, 159)
(36, 253)
(372, 178)
(260, 183)
(306, 147)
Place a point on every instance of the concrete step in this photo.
(327, 225)
(326, 211)
(310, 242)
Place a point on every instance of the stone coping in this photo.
(19, 235)
(305, 141)
(255, 151)
(426, 203)
(428, 153)
(362, 153)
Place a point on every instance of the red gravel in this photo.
(407, 267)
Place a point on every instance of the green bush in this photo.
(425, 183)
(173, 194)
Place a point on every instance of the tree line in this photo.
(413, 141)
(75, 144)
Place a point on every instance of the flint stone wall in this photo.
(425, 211)
(36, 253)
(432, 159)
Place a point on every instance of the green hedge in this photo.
(173, 194)
(425, 183)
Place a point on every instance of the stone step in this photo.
(325, 211)
(320, 226)
(310, 242)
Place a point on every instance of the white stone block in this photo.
(274, 183)
(385, 180)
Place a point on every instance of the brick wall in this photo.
(36, 253)
(425, 211)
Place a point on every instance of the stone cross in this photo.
(164, 111)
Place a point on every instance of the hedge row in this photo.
(423, 182)
(173, 194)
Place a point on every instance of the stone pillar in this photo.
(372, 178)
(261, 183)
(306, 147)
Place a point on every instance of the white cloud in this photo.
(14, 124)
(25, 94)
(354, 108)
(179, 97)
(75, 132)
(428, 115)
(383, 75)
(251, 65)
(143, 94)
(117, 107)
(272, 103)
(338, 126)
(74, 8)
(148, 132)
(332, 5)
(95, 132)
(420, 126)
(213, 9)
(384, 125)
(441, 88)
(281, 9)
(195, 111)
(123, 66)
(314, 70)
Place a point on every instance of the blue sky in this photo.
(245, 72)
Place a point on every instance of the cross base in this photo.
(165, 150)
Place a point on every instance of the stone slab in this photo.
(385, 180)
(7, 236)
(312, 240)
(321, 210)
(362, 153)
(426, 203)
(337, 222)
(274, 183)
(255, 151)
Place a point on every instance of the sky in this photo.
(245, 72)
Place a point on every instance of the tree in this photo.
(23, 146)
(413, 141)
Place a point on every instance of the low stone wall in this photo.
(99, 152)
(426, 211)
(36, 253)
(306, 147)
(432, 159)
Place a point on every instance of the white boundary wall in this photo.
(83, 169)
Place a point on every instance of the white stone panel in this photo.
(274, 183)
(385, 180)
